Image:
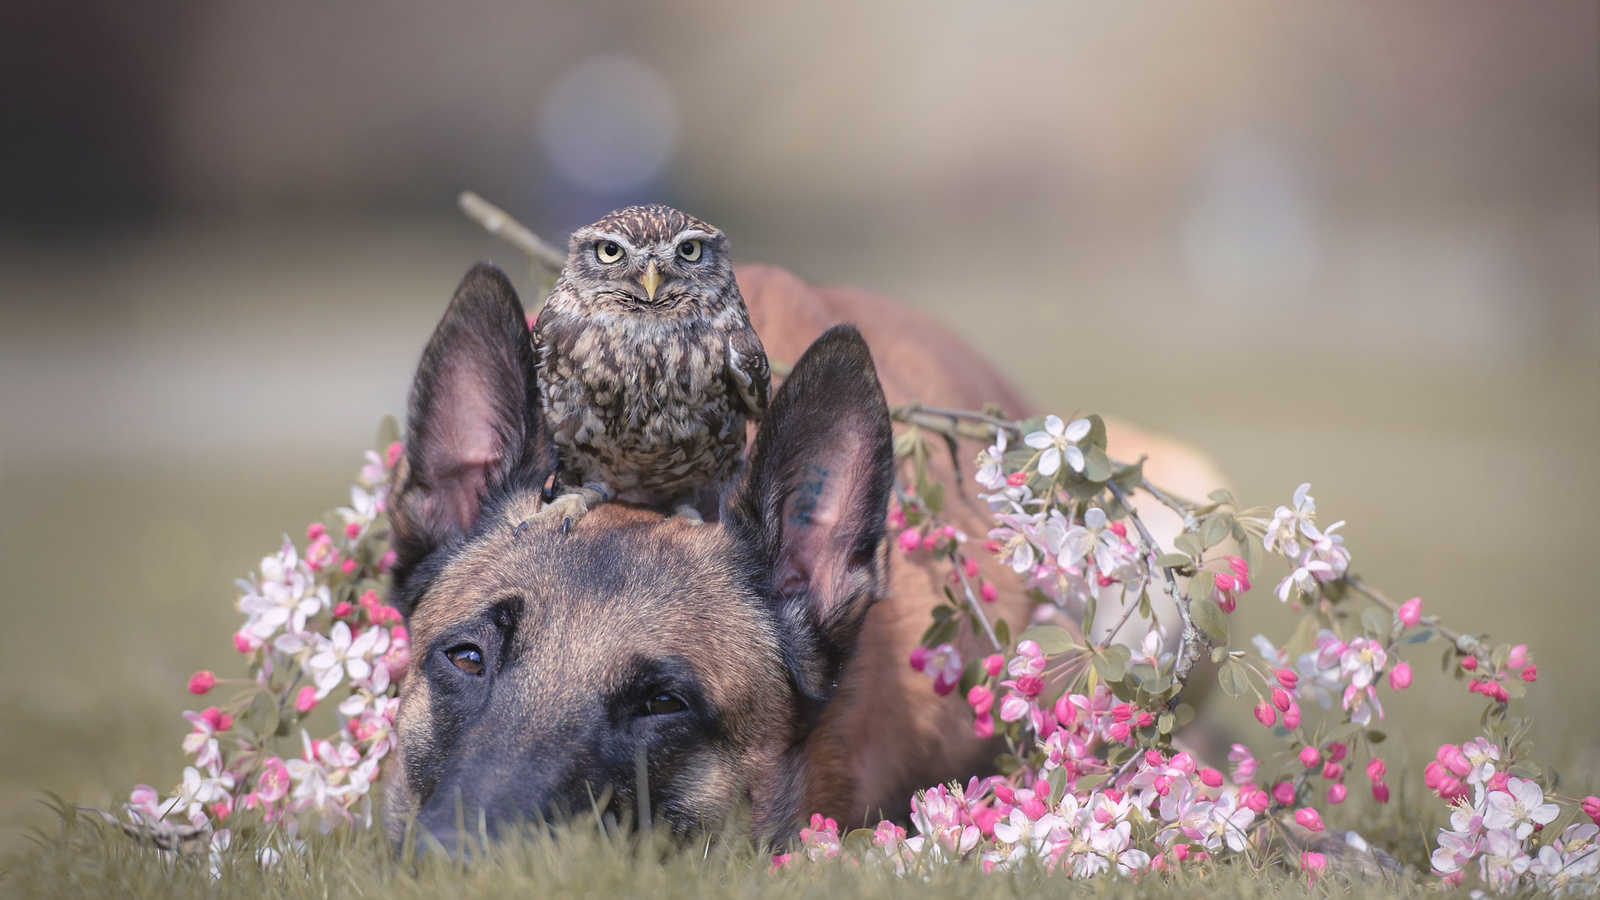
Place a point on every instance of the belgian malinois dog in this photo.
(757, 662)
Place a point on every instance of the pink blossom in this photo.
(1258, 801)
(1211, 778)
(1310, 756)
(1265, 714)
(993, 664)
(352, 530)
(1308, 818)
(315, 531)
(1291, 717)
(391, 453)
(321, 553)
(348, 566)
(1336, 793)
(910, 540)
(1280, 699)
(1519, 807)
(1410, 612)
(1591, 808)
(983, 725)
(306, 699)
(980, 698)
(1287, 678)
(1518, 657)
(1380, 792)
(387, 561)
(943, 663)
(1283, 792)
(1400, 676)
(1469, 663)
(272, 784)
(1531, 673)
(201, 682)
(1244, 764)
(1376, 769)
(988, 592)
(245, 642)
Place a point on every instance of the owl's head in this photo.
(649, 257)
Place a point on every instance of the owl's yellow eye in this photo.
(689, 250)
(607, 251)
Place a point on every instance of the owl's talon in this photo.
(689, 513)
(569, 506)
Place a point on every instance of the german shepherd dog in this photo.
(757, 662)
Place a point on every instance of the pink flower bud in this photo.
(983, 726)
(910, 540)
(349, 566)
(343, 608)
(1376, 769)
(1309, 819)
(1183, 762)
(1017, 479)
(1287, 678)
(314, 531)
(1265, 714)
(387, 561)
(221, 809)
(1145, 720)
(352, 530)
(1283, 792)
(1380, 792)
(1258, 801)
(201, 682)
(1119, 529)
(1211, 778)
(970, 566)
(993, 664)
(1119, 732)
(391, 454)
(245, 643)
(1410, 612)
(1224, 581)
(1453, 759)
(1591, 808)
(1498, 782)
(1400, 676)
(929, 541)
(1518, 657)
(984, 817)
(1005, 793)
(1336, 751)
(1333, 771)
(1122, 712)
(981, 699)
(1311, 860)
(1337, 792)
(1531, 673)
(1310, 756)
(1237, 564)
(306, 699)
(1280, 699)
(1033, 807)
(919, 657)
(1066, 713)
(1470, 663)
(1291, 717)
(988, 592)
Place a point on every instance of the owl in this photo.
(648, 366)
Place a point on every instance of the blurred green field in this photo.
(225, 395)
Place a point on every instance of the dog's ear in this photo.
(814, 501)
(474, 424)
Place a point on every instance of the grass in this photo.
(81, 859)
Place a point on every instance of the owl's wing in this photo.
(748, 371)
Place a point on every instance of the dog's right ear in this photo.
(474, 424)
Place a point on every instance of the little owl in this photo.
(648, 366)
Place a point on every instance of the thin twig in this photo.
(972, 601)
(1189, 646)
(905, 411)
(1182, 507)
(1466, 643)
(499, 223)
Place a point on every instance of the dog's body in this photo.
(758, 661)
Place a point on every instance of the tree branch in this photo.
(1190, 646)
(499, 223)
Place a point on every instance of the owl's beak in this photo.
(651, 279)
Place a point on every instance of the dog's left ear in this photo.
(474, 424)
(814, 502)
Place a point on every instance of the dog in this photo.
(755, 664)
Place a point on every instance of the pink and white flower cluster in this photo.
(315, 626)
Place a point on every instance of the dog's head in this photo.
(551, 666)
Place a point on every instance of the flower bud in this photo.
(1470, 663)
(1258, 801)
(1531, 673)
(993, 664)
(1377, 768)
(1237, 564)
(1518, 657)
(1283, 792)
(1400, 676)
(910, 540)
(1309, 819)
(1280, 699)
(1119, 731)
(1333, 771)
(349, 566)
(306, 699)
(1336, 751)
(1287, 678)
(983, 726)
(981, 699)
(245, 643)
(1380, 792)
(1337, 792)
(1311, 860)
(1410, 612)
(1211, 778)
(1066, 712)
(352, 530)
(201, 682)
(1591, 808)
(1310, 756)
(314, 531)
(1265, 714)
(988, 592)
(1291, 717)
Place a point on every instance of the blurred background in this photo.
(1355, 244)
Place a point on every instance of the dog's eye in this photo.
(664, 704)
(467, 658)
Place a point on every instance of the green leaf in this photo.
(1185, 714)
(933, 497)
(1166, 722)
(1221, 495)
(1090, 782)
(1190, 544)
(1216, 529)
(1052, 639)
(1202, 584)
(1002, 633)
(1112, 662)
(1376, 622)
(1209, 618)
(1091, 608)
(1421, 636)
(903, 444)
(1057, 779)
(1097, 433)
(1129, 477)
(1375, 736)
(1096, 467)
(1218, 654)
(1233, 678)
(1175, 561)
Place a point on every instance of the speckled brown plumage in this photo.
(648, 375)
